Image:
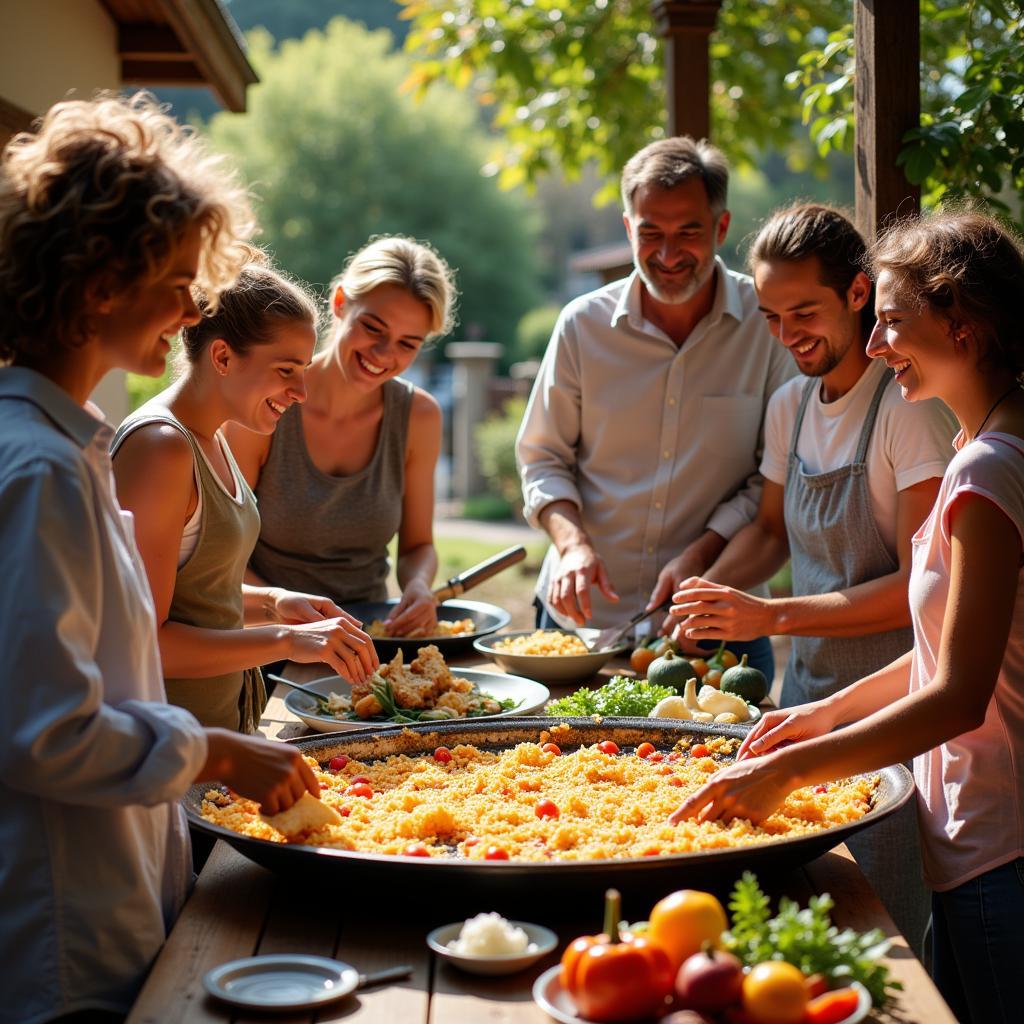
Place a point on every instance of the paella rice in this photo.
(528, 803)
(546, 642)
(444, 628)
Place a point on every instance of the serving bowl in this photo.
(542, 939)
(487, 619)
(521, 882)
(550, 668)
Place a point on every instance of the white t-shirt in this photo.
(911, 441)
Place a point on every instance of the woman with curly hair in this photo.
(108, 215)
(947, 295)
(196, 519)
(354, 464)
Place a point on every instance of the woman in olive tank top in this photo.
(196, 519)
(354, 465)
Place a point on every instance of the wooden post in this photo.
(685, 26)
(887, 92)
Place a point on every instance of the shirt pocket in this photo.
(731, 425)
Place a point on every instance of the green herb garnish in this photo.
(622, 696)
(807, 939)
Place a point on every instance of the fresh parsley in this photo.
(621, 696)
(807, 939)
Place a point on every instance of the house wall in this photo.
(48, 49)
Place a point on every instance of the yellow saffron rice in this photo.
(608, 805)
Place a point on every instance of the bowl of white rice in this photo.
(490, 944)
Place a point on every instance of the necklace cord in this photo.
(995, 405)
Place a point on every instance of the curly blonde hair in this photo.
(968, 269)
(98, 199)
(415, 266)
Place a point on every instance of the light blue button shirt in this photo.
(654, 442)
(94, 853)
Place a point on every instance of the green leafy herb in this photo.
(807, 939)
(622, 696)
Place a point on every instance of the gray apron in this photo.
(834, 544)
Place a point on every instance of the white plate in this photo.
(542, 938)
(500, 686)
(285, 982)
(549, 995)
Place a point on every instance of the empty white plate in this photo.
(284, 982)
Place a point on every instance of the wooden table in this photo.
(240, 909)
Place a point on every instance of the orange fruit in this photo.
(700, 667)
(775, 993)
(640, 660)
(683, 921)
(728, 659)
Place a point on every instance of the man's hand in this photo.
(702, 610)
(579, 568)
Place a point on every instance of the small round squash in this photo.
(670, 669)
(745, 681)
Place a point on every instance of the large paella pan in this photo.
(706, 867)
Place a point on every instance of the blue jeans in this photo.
(978, 939)
(759, 652)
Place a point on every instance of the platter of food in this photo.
(463, 622)
(423, 690)
(548, 655)
(542, 802)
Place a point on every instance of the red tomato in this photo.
(552, 748)
(325, 785)
(344, 811)
(359, 778)
(545, 809)
(359, 789)
(471, 841)
(496, 853)
(832, 1007)
(816, 985)
(415, 850)
(442, 754)
(645, 750)
(608, 747)
(699, 750)
(675, 781)
(337, 763)
(657, 757)
(823, 788)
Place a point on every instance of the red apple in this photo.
(709, 980)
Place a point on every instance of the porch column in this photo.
(685, 26)
(887, 97)
(473, 365)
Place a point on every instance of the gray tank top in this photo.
(208, 587)
(325, 534)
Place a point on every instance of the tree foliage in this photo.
(572, 82)
(336, 153)
(971, 138)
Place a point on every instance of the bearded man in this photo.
(641, 441)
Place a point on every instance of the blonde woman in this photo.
(354, 464)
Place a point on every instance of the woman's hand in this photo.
(712, 611)
(273, 774)
(416, 611)
(781, 728)
(290, 607)
(750, 789)
(346, 648)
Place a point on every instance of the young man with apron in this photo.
(851, 471)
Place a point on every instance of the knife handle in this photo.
(478, 573)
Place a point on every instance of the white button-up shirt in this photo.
(94, 853)
(653, 442)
